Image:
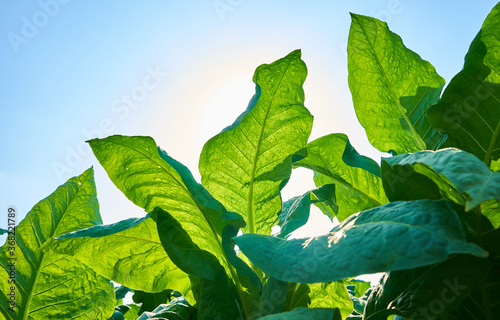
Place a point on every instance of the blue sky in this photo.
(180, 71)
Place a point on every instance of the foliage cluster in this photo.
(428, 216)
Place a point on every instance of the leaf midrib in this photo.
(250, 200)
(184, 187)
(179, 183)
(40, 265)
(416, 136)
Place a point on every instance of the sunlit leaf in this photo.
(395, 236)
(450, 169)
(47, 285)
(356, 178)
(469, 108)
(247, 164)
(392, 88)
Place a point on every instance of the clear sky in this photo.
(181, 71)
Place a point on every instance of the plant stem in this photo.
(483, 285)
(491, 147)
(486, 300)
(479, 227)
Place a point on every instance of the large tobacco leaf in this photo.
(247, 164)
(356, 178)
(469, 110)
(128, 252)
(189, 221)
(47, 285)
(392, 88)
(150, 179)
(456, 173)
(395, 236)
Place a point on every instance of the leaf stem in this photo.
(383, 314)
(483, 285)
(479, 227)
(486, 300)
(489, 153)
(32, 291)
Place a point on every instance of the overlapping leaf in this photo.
(398, 235)
(306, 313)
(392, 88)
(323, 295)
(273, 298)
(456, 173)
(469, 110)
(426, 291)
(149, 301)
(296, 210)
(245, 166)
(49, 285)
(150, 179)
(216, 295)
(128, 252)
(182, 232)
(357, 178)
(177, 309)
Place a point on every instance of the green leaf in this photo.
(150, 178)
(273, 298)
(392, 88)
(468, 110)
(121, 292)
(357, 287)
(323, 295)
(247, 164)
(133, 313)
(491, 242)
(296, 210)
(451, 169)
(251, 285)
(186, 255)
(46, 285)
(149, 301)
(128, 252)
(3, 231)
(177, 309)
(356, 177)
(474, 306)
(430, 291)
(396, 236)
(306, 314)
(217, 297)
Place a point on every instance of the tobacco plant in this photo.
(428, 216)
